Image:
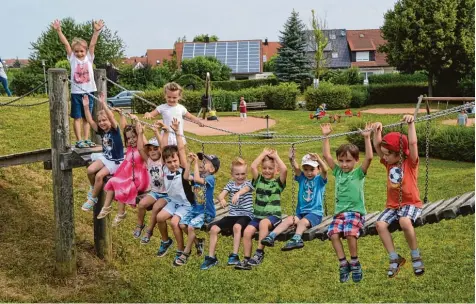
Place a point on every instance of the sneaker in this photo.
(208, 263)
(164, 247)
(344, 272)
(118, 219)
(357, 274)
(200, 246)
(243, 265)
(293, 244)
(256, 259)
(233, 259)
(268, 241)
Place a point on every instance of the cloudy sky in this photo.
(147, 24)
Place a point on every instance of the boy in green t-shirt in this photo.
(350, 205)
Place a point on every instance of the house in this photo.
(363, 45)
(336, 52)
(269, 49)
(152, 57)
(9, 63)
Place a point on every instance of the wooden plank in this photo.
(449, 98)
(452, 211)
(467, 207)
(16, 159)
(369, 225)
(430, 208)
(420, 220)
(319, 231)
(432, 216)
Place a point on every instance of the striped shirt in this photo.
(268, 196)
(245, 203)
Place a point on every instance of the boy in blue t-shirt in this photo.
(204, 209)
(312, 179)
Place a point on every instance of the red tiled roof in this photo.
(134, 60)
(11, 62)
(158, 54)
(367, 40)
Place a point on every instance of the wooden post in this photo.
(65, 247)
(102, 233)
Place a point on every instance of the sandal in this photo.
(81, 144)
(392, 271)
(138, 231)
(418, 270)
(90, 143)
(89, 204)
(146, 238)
(118, 219)
(104, 212)
(182, 259)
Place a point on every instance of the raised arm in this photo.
(87, 113)
(257, 162)
(322, 165)
(326, 149)
(196, 171)
(181, 147)
(283, 170)
(292, 160)
(57, 27)
(377, 127)
(110, 115)
(98, 25)
(369, 154)
(412, 137)
(140, 141)
(122, 118)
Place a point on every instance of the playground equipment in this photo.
(334, 117)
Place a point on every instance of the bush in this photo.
(395, 93)
(191, 82)
(24, 82)
(281, 97)
(446, 142)
(359, 96)
(63, 64)
(349, 76)
(390, 78)
(236, 85)
(334, 96)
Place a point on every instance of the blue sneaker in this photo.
(344, 273)
(357, 274)
(233, 259)
(208, 263)
(268, 241)
(164, 247)
(293, 244)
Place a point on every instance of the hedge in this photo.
(446, 142)
(395, 93)
(359, 97)
(236, 85)
(392, 78)
(23, 82)
(282, 96)
(334, 96)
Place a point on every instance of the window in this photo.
(335, 55)
(265, 58)
(332, 36)
(362, 56)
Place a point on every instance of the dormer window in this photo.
(332, 36)
(335, 55)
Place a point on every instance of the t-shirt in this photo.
(2, 71)
(310, 194)
(168, 114)
(82, 74)
(410, 192)
(243, 107)
(245, 202)
(462, 119)
(178, 189)
(204, 196)
(112, 146)
(156, 174)
(349, 190)
(268, 196)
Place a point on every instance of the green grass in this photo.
(136, 275)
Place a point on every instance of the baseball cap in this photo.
(153, 142)
(391, 141)
(212, 158)
(307, 160)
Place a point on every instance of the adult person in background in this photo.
(4, 78)
(204, 107)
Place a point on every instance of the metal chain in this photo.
(400, 165)
(23, 96)
(293, 184)
(133, 168)
(239, 146)
(427, 159)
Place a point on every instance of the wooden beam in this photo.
(25, 158)
(449, 98)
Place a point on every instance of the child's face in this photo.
(104, 123)
(389, 156)
(268, 169)
(172, 97)
(309, 171)
(206, 166)
(131, 139)
(346, 162)
(173, 162)
(154, 153)
(79, 51)
(238, 173)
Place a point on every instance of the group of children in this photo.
(181, 186)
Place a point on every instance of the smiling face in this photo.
(104, 123)
(238, 173)
(346, 161)
(131, 139)
(390, 156)
(268, 168)
(172, 97)
(154, 153)
(79, 51)
(309, 171)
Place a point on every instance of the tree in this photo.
(270, 65)
(16, 64)
(292, 64)
(203, 37)
(48, 47)
(428, 35)
(320, 44)
(201, 65)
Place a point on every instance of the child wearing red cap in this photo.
(402, 172)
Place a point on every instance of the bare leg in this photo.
(158, 205)
(94, 168)
(385, 236)
(237, 228)
(264, 227)
(77, 128)
(177, 232)
(302, 226)
(99, 181)
(109, 198)
(337, 244)
(214, 231)
(162, 218)
(144, 203)
(285, 224)
(247, 240)
(191, 238)
(352, 242)
(86, 128)
(409, 232)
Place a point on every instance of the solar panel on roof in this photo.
(240, 56)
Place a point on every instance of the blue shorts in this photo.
(77, 110)
(157, 195)
(275, 221)
(313, 218)
(196, 219)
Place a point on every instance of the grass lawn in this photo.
(136, 275)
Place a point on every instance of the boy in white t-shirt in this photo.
(172, 109)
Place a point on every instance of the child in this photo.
(81, 60)
(204, 209)
(312, 182)
(4, 79)
(350, 206)
(173, 93)
(240, 214)
(267, 207)
(180, 196)
(155, 199)
(112, 155)
(462, 118)
(319, 110)
(408, 209)
(242, 108)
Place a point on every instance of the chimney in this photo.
(266, 41)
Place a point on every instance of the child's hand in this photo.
(102, 98)
(139, 128)
(133, 117)
(56, 25)
(192, 157)
(273, 153)
(147, 115)
(326, 129)
(159, 125)
(292, 153)
(377, 127)
(175, 125)
(314, 156)
(408, 119)
(117, 110)
(223, 203)
(368, 129)
(85, 100)
(98, 25)
(235, 199)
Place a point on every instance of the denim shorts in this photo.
(275, 221)
(77, 110)
(180, 209)
(195, 219)
(157, 195)
(313, 218)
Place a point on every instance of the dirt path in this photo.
(229, 123)
(395, 111)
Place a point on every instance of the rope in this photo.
(26, 105)
(23, 96)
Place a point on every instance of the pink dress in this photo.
(125, 190)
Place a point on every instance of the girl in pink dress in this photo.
(130, 179)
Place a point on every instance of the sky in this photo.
(156, 24)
